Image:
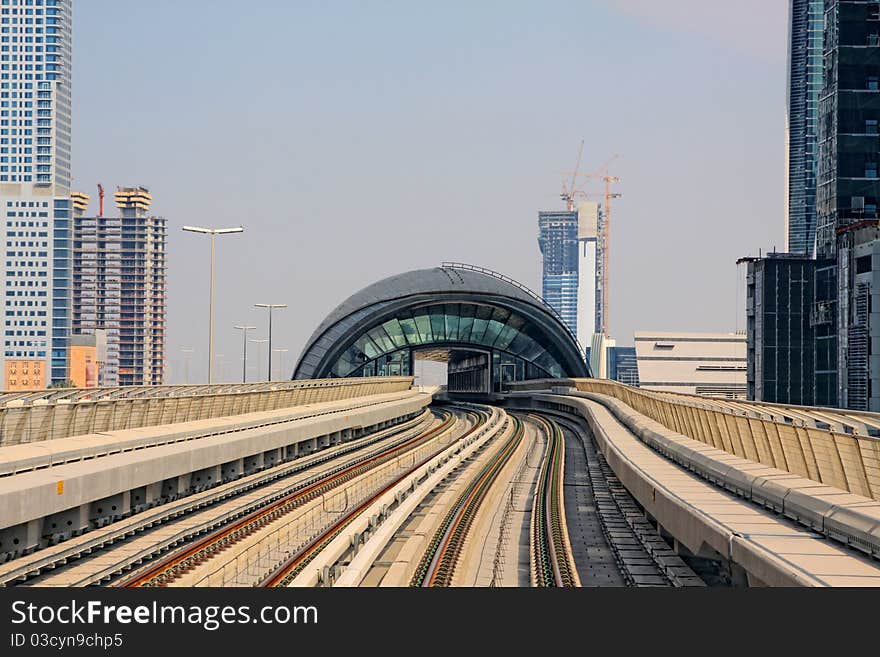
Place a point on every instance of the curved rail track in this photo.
(195, 514)
(288, 570)
(438, 563)
(175, 565)
(552, 563)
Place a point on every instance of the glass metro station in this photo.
(489, 329)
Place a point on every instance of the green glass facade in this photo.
(489, 329)
(462, 325)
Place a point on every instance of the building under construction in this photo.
(118, 286)
(575, 247)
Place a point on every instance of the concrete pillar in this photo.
(291, 452)
(138, 497)
(175, 487)
(232, 470)
(204, 479)
(153, 494)
(271, 457)
(738, 576)
(19, 539)
(105, 511)
(253, 463)
(61, 526)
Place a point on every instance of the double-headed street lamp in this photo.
(213, 232)
(244, 330)
(270, 306)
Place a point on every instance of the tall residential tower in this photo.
(118, 281)
(35, 138)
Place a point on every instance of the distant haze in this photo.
(357, 140)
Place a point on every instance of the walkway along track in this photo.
(642, 556)
(439, 560)
(197, 553)
(552, 562)
(290, 568)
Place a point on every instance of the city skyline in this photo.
(327, 214)
(477, 171)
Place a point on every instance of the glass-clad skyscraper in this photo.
(558, 239)
(847, 193)
(35, 144)
(804, 86)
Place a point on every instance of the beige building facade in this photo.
(708, 364)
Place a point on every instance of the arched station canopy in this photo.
(456, 311)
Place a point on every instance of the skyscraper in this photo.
(558, 240)
(118, 281)
(589, 309)
(847, 195)
(35, 138)
(570, 242)
(804, 85)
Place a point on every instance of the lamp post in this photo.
(281, 357)
(213, 232)
(270, 306)
(260, 356)
(244, 330)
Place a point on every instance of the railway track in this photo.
(294, 565)
(438, 563)
(198, 552)
(153, 532)
(641, 555)
(552, 562)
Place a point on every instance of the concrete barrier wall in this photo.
(846, 461)
(41, 420)
(707, 524)
(45, 506)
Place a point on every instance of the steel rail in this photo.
(177, 564)
(437, 565)
(288, 570)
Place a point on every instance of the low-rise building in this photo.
(709, 364)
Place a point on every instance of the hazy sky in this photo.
(355, 140)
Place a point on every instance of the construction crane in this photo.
(568, 193)
(100, 200)
(601, 174)
(606, 250)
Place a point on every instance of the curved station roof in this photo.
(453, 307)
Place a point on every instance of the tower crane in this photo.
(100, 200)
(569, 195)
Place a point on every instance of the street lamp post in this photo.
(244, 330)
(260, 356)
(270, 306)
(281, 351)
(213, 232)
